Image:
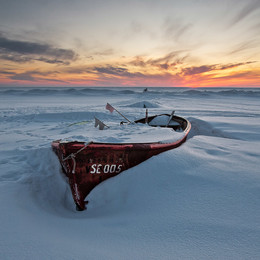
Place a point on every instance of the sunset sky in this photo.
(189, 43)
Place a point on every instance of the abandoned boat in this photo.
(86, 164)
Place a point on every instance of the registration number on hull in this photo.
(107, 168)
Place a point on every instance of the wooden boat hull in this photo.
(87, 165)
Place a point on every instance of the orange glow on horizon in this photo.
(142, 72)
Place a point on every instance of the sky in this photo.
(168, 43)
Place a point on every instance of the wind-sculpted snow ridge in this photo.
(208, 92)
(65, 91)
(200, 127)
(130, 91)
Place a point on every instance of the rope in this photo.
(72, 156)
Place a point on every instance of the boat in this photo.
(87, 164)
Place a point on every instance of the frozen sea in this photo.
(199, 201)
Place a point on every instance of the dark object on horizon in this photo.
(145, 90)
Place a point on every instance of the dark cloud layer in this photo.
(206, 68)
(22, 51)
(197, 70)
(23, 76)
(31, 75)
(168, 61)
(117, 71)
(34, 76)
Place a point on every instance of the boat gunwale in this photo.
(101, 145)
(157, 144)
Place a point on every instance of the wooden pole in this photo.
(123, 116)
(111, 108)
(170, 118)
(146, 116)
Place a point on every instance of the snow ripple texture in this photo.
(199, 201)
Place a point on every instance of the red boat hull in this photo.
(87, 165)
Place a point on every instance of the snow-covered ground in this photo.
(199, 201)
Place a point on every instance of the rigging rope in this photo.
(72, 156)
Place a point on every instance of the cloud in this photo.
(119, 76)
(234, 65)
(15, 57)
(110, 73)
(198, 70)
(168, 61)
(105, 70)
(175, 29)
(138, 61)
(116, 71)
(246, 11)
(23, 76)
(106, 52)
(24, 51)
(111, 70)
(206, 68)
(244, 46)
(32, 75)
(242, 75)
(53, 61)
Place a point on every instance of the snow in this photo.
(126, 133)
(199, 201)
(163, 120)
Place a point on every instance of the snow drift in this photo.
(200, 201)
